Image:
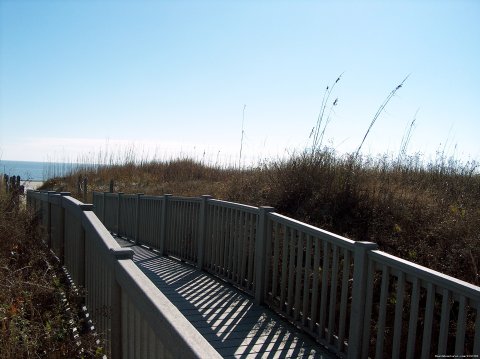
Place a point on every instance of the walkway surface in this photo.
(226, 317)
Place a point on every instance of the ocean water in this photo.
(35, 171)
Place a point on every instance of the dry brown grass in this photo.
(426, 213)
(33, 318)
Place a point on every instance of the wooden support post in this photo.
(111, 186)
(360, 272)
(260, 248)
(202, 230)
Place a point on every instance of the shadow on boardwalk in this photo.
(226, 317)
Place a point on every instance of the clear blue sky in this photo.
(172, 78)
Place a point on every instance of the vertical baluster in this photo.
(298, 275)
(283, 287)
(223, 241)
(413, 320)
(316, 266)
(275, 262)
(306, 281)
(323, 295)
(397, 326)
(368, 310)
(230, 243)
(461, 325)
(124, 318)
(427, 328)
(444, 323)
(291, 271)
(268, 256)
(382, 312)
(333, 295)
(238, 248)
(217, 234)
(476, 340)
(251, 246)
(343, 299)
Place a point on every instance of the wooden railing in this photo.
(351, 297)
(129, 311)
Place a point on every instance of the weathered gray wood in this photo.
(119, 209)
(397, 326)
(202, 230)
(298, 277)
(427, 325)
(358, 297)
(476, 340)
(382, 312)
(230, 233)
(343, 300)
(316, 267)
(260, 253)
(163, 226)
(323, 294)
(366, 321)
(333, 295)
(412, 323)
(227, 318)
(461, 325)
(444, 323)
(137, 217)
(306, 284)
(441, 281)
(291, 273)
(283, 283)
(276, 251)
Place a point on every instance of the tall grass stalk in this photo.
(379, 112)
(421, 210)
(317, 131)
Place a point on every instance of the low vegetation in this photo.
(34, 294)
(427, 213)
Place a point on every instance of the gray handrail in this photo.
(319, 280)
(122, 300)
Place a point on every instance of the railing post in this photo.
(260, 249)
(360, 272)
(119, 197)
(137, 217)
(116, 304)
(202, 230)
(163, 223)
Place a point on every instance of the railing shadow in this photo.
(225, 316)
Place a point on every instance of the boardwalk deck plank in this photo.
(225, 316)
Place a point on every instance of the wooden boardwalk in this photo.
(226, 317)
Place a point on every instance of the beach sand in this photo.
(32, 184)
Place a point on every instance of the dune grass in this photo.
(34, 321)
(425, 212)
